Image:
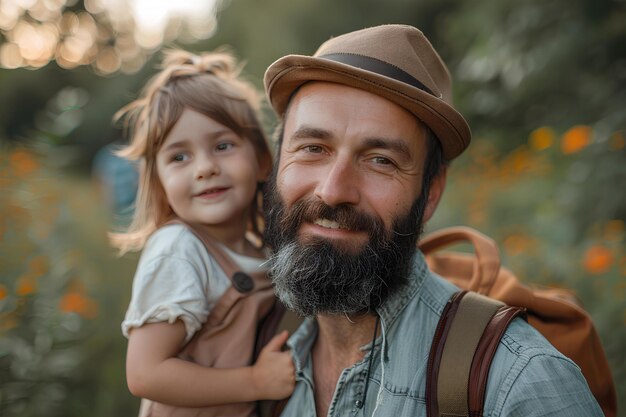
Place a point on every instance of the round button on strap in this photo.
(242, 282)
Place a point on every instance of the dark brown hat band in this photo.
(377, 66)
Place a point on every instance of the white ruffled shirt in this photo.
(176, 278)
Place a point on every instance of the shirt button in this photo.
(358, 404)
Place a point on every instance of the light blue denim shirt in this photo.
(528, 376)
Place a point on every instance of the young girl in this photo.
(200, 289)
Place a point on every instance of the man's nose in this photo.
(340, 184)
(206, 166)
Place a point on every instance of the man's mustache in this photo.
(348, 217)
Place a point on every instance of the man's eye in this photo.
(313, 149)
(381, 160)
(224, 146)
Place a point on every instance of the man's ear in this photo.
(437, 185)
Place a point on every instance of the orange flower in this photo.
(26, 285)
(575, 139)
(3, 292)
(521, 160)
(23, 163)
(541, 138)
(517, 243)
(598, 259)
(76, 302)
(518, 161)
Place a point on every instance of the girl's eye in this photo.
(224, 146)
(179, 157)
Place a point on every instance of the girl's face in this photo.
(208, 172)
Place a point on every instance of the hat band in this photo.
(377, 66)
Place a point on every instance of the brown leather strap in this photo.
(472, 317)
(463, 347)
(485, 352)
(487, 262)
(436, 350)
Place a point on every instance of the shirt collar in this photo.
(301, 343)
(396, 302)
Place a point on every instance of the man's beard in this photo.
(313, 276)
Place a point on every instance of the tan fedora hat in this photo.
(393, 61)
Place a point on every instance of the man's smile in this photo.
(329, 224)
(334, 231)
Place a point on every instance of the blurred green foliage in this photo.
(61, 295)
(542, 83)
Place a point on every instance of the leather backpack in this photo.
(473, 322)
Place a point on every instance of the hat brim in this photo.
(285, 75)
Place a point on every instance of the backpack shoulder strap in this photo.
(485, 352)
(463, 347)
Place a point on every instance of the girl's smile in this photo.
(212, 193)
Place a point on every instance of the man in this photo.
(368, 126)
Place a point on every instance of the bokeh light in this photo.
(110, 36)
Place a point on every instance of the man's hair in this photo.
(434, 159)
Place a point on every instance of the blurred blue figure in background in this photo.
(117, 178)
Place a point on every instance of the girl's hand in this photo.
(274, 374)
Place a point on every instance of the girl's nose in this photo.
(206, 167)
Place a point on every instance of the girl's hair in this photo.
(209, 84)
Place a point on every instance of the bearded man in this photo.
(368, 128)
